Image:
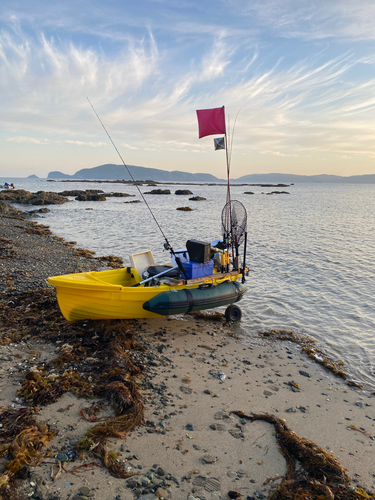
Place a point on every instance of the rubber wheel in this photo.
(233, 313)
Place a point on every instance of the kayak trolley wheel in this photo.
(233, 313)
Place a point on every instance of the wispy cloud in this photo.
(45, 81)
(29, 140)
(276, 153)
(90, 144)
(341, 19)
(146, 74)
(215, 62)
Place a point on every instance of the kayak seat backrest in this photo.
(154, 270)
(141, 260)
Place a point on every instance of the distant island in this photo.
(119, 172)
(294, 178)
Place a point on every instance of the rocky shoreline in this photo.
(188, 378)
(29, 254)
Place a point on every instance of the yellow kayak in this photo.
(120, 294)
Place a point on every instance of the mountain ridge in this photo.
(111, 171)
(319, 178)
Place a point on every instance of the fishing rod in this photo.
(229, 230)
(232, 238)
(167, 245)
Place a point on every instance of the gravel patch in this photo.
(27, 260)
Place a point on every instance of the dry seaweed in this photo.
(43, 388)
(130, 410)
(7, 491)
(115, 468)
(209, 316)
(88, 254)
(354, 428)
(13, 421)
(113, 427)
(319, 475)
(90, 413)
(96, 359)
(112, 261)
(82, 468)
(308, 347)
(26, 448)
(207, 347)
(25, 438)
(35, 228)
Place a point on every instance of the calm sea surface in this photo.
(311, 253)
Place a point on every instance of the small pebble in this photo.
(209, 459)
(84, 490)
(217, 427)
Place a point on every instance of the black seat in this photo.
(154, 270)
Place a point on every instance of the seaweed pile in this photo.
(25, 437)
(308, 347)
(36, 228)
(312, 473)
(95, 360)
(112, 261)
(208, 315)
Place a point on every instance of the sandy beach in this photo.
(195, 372)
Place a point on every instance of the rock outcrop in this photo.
(119, 195)
(91, 197)
(183, 191)
(278, 192)
(10, 194)
(78, 192)
(159, 191)
(39, 198)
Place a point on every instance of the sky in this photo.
(296, 77)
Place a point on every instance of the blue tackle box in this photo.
(197, 270)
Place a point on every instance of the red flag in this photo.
(211, 121)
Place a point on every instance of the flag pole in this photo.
(227, 159)
(212, 122)
(228, 204)
(228, 166)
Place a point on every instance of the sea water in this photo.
(311, 253)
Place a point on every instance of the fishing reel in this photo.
(145, 274)
(151, 282)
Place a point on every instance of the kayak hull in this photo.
(112, 295)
